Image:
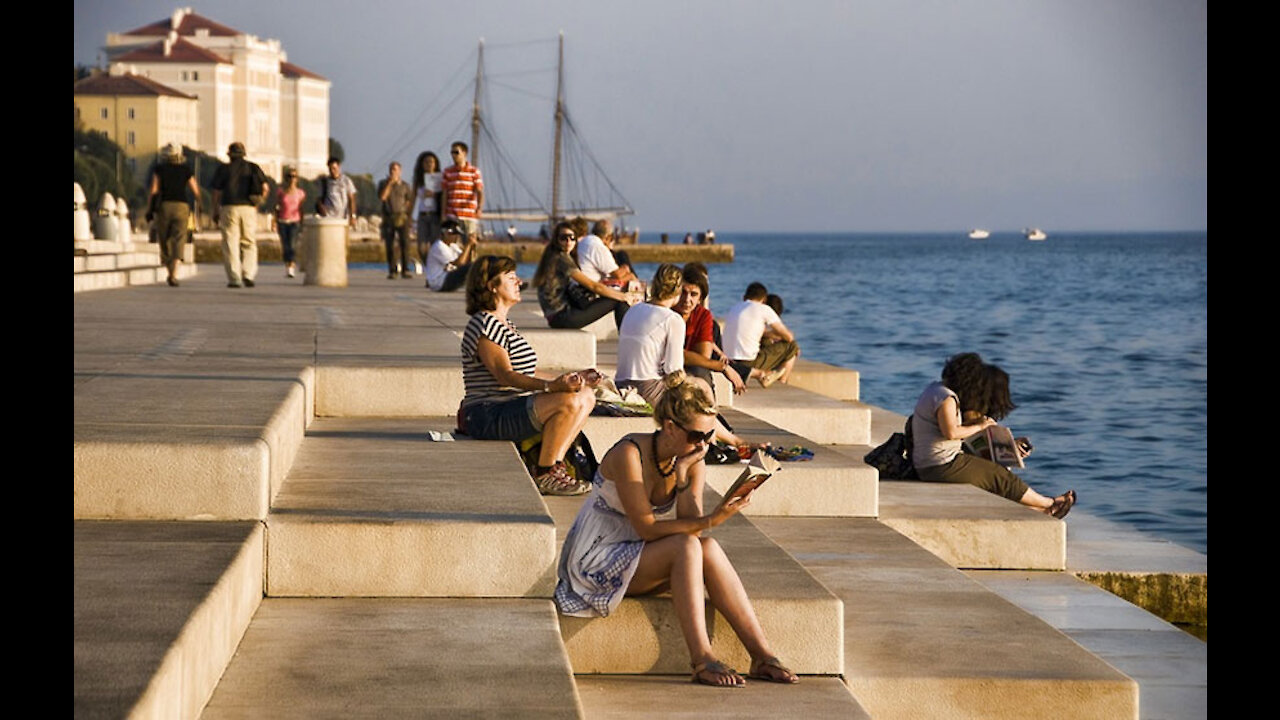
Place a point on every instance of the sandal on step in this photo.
(771, 669)
(1062, 504)
(556, 481)
(713, 668)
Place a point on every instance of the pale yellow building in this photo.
(137, 113)
(246, 89)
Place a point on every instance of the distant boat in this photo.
(979, 234)
(1035, 234)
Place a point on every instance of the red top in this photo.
(290, 204)
(698, 327)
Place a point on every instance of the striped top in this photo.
(460, 185)
(479, 383)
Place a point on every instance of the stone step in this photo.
(159, 608)
(158, 442)
(830, 485)
(830, 381)
(87, 280)
(801, 618)
(415, 371)
(635, 697)
(973, 529)
(821, 419)
(373, 508)
(924, 641)
(394, 658)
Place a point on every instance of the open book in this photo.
(761, 468)
(996, 444)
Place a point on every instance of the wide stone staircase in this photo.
(271, 520)
(105, 264)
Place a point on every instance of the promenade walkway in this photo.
(263, 526)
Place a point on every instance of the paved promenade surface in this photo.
(334, 507)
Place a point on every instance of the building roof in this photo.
(188, 23)
(288, 69)
(127, 84)
(180, 51)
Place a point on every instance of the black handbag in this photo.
(892, 459)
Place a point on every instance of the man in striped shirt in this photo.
(463, 191)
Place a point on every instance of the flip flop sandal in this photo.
(773, 662)
(1062, 505)
(715, 667)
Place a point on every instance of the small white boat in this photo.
(979, 234)
(1035, 234)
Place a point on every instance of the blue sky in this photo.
(816, 115)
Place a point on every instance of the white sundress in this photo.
(600, 554)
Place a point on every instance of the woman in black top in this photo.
(171, 180)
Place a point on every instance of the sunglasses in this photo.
(567, 236)
(693, 436)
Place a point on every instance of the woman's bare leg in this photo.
(724, 587)
(1035, 500)
(563, 416)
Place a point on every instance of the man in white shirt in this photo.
(448, 260)
(596, 259)
(745, 325)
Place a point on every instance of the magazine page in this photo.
(1003, 449)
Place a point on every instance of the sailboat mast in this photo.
(475, 108)
(555, 160)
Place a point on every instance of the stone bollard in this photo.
(324, 251)
(105, 225)
(124, 231)
(81, 230)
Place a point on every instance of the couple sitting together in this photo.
(618, 545)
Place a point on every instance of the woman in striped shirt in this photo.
(505, 399)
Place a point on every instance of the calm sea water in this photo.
(1104, 336)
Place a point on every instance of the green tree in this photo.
(100, 167)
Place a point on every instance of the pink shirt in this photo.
(290, 204)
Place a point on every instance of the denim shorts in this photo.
(512, 419)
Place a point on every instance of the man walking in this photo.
(463, 191)
(337, 194)
(238, 187)
(170, 182)
(397, 202)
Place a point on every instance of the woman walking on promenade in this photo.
(426, 200)
(504, 398)
(288, 216)
(651, 337)
(564, 304)
(938, 431)
(618, 547)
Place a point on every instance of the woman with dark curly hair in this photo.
(505, 399)
(619, 547)
(938, 429)
(426, 200)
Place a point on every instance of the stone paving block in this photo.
(821, 419)
(924, 641)
(971, 528)
(159, 608)
(827, 380)
(638, 697)
(372, 508)
(392, 658)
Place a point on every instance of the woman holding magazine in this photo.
(939, 429)
(618, 546)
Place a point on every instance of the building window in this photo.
(133, 139)
(104, 113)
(130, 113)
(77, 113)
(184, 75)
(195, 74)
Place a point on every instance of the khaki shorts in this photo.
(773, 355)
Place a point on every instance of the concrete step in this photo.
(973, 529)
(407, 371)
(821, 419)
(801, 618)
(153, 441)
(373, 508)
(394, 658)
(159, 608)
(637, 697)
(924, 641)
(87, 280)
(830, 485)
(830, 381)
